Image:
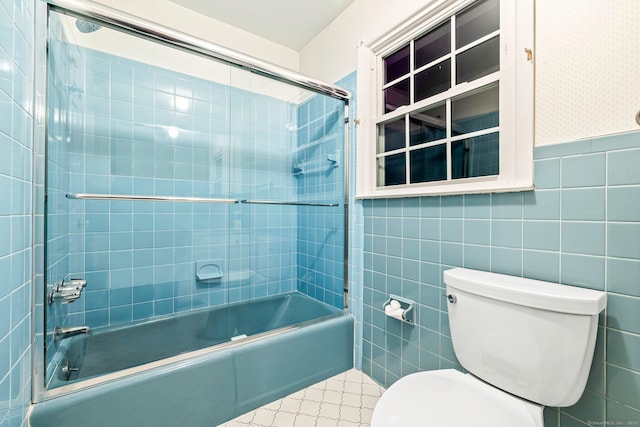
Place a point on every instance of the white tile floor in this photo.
(346, 400)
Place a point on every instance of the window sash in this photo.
(455, 90)
(456, 52)
(516, 101)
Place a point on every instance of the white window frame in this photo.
(516, 102)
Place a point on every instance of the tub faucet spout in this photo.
(61, 333)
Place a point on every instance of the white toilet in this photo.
(526, 344)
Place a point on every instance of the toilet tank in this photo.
(530, 338)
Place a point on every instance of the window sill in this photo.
(476, 187)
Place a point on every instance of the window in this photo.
(446, 103)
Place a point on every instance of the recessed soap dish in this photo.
(208, 270)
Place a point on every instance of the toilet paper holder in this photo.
(400, 308)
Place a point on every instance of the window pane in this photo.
(433, 80)
(391, 136)
(477, 156)
(391, 170)
(477, 21)
(396, 96)
(433, 45)
(429, 164)
(475, 111)
(428, 125)
(478, 61)
(396, 65)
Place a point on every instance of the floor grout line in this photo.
(344, 400)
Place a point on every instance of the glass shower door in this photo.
(137, 189)
(187, 203)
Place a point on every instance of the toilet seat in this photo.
(449, 398)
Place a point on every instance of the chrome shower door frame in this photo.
(136, 26)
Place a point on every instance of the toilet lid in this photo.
(449, 398)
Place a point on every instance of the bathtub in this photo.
(199, 368)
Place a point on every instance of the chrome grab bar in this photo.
(270, 202)
(90, 196)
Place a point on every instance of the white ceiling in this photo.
(291, 23)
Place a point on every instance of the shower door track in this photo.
(123, 21)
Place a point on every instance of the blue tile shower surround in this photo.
(16, 157)
(63, 85)
(356, 225)
(140, 255)
(319, 171)
(138, 258)
(581, 227)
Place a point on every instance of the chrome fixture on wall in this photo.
(86, 27)
(67, 291)
(62, 333)
(66, 370)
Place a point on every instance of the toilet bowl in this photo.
(450, 398)
(526, 344)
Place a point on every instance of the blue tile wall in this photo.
(118, 142)
(62, 87)
(355, 226)
(139, 257)
(319, 171)
(16, 209)
(581, 227)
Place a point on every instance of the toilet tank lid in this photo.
(527, 292)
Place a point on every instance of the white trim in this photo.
(431, 15)
(476, 42)
(432, 63)
(516, 79)
(455, 91)
(366, 140)
(477, 185)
